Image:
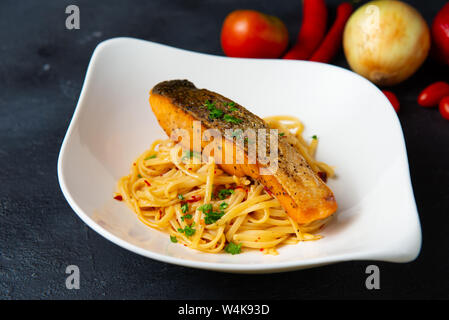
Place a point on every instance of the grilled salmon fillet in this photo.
(303, 195)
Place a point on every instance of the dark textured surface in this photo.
(42, 66)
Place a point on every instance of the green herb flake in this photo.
(180, 197)
(231, 119)
(205, 207)
(185, 207)
(314, 137)
(209, 104)
(188, 230)
(139, 176)
(216, 113)
(223, 205)
(151, 157)
(187, 216)
(209, 215)
(233, 248)
(223, 193)
(173, 239)
(281, 134)
(212, 217)
(232, 107)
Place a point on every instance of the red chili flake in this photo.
(147, 183)
(185, 245)
(322, 175)
(261, 249)
(193, 199)
(190, 169)
(118, 197)
(215, 171)
(134, 164)
(268, 191)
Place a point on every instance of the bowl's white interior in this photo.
(358, 132)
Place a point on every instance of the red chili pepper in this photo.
(393, 100)
(332, 42)
(193, 199)
(147, 183)
(268, 191)
(312, 30)
(118, 197)
(444, 107)
(432, 94)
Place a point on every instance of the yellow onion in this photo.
(386, 41)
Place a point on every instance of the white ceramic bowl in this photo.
(358, 130)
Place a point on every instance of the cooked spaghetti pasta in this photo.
(205, 208)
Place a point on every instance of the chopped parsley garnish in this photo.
(187, 216)
(180, 197)
(139, 176)
(231, 106)
(223, 193)
(205, 207)
(233, 248)
(281, 134)
(150, 157)
(185, 207)
(223, 205)
(209, 104)
(173, 239)
(210, 216)
(216, 113)
(314, 137)
(188, 230)
(231, 119)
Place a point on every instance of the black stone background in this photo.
(42, 67)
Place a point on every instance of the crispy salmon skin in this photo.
(304, 196)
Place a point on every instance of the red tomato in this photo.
(440, 34)
(432, 94)
(252, 34)
(444, 108)
(393, 99)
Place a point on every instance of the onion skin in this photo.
(386, 41)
